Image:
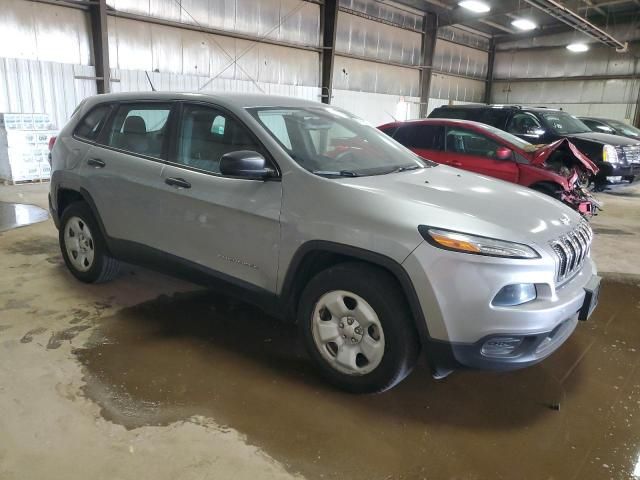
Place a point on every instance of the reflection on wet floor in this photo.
(576, 415)
(13, 215)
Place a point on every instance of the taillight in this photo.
(52, 142)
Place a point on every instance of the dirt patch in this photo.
(69, 334)
(28, 337)
(41, 245)
(611, 231)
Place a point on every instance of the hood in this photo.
(541, 155)
(450, 198)
(604, 138)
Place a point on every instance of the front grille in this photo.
(571, 249)
(632, 153)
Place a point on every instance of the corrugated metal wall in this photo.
(33, 86)
(291, 21)
(606, 97)
(136, 45)
(38, 31)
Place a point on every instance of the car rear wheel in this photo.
(82, 246)
(358, 328)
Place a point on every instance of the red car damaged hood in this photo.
(540, 156)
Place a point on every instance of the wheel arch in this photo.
(317, 255)
(66, 196)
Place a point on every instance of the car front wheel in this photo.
(358, 328)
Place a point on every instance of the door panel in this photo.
(226, 224)
(123, 179)
(125, 191)
(475, 152)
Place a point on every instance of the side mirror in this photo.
(503, 153)
(245, 164)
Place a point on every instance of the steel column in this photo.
(429, 37)
(100, 37)
(328, 27)
(491, 60)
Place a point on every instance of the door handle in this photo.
(96, 163)
(177, 182)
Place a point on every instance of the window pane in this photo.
(207, 134)
(470, 143)
(140, 128)
(427, 137)
(274, 121)
(523, 124)
(90, 126)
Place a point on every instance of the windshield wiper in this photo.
(331, 173)
(404, 168)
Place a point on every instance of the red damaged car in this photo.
(558, 169)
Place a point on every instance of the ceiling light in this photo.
(475, 6)
(523, 24)
(578, 47)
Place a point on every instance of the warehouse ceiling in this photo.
(497, 22)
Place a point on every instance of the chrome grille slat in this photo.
(632, 153)
(571, 250)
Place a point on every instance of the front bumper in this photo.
(455, 291)
(617, 170)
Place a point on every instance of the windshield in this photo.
(563, 124)
(331, 142)
(624, 128)
(512, 139)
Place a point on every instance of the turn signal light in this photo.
(455, 244)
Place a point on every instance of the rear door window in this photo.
(90, 126)
(425, 137)
(140, 128)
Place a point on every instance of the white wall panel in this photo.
(38, 31)
(377, 108)
(291, 21)
(137, 45)
(448, 87)
(34, 86)
(458, 59)
(361, 75)
(366, 38)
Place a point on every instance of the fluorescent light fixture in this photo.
(578, 47)
(523, 24)
(475, 6)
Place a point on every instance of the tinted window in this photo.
(524, 123)
(493, 116)
(625, 129)
(562, 123)
(456, 114)
(140, 128)
(598, 126)
(428, 137)
(90, 126)
(461, 140)
(206, 134)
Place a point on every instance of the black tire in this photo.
(381, 291)
(629, 178)
(103, 267)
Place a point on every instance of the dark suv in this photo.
(615, 156)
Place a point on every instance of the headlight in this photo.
(464, 242)
(610, 154)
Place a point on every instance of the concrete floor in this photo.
(149, 377)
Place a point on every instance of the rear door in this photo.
(229, 225)
(476, 152)
(122, 170)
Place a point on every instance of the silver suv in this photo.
(319, 218)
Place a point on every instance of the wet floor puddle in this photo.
(202, 354)
(14, 215)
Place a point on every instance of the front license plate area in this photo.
(592, 293)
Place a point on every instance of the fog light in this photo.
(500, 346)
(515, 294)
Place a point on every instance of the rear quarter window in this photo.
(452, 113)
(91, 124)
